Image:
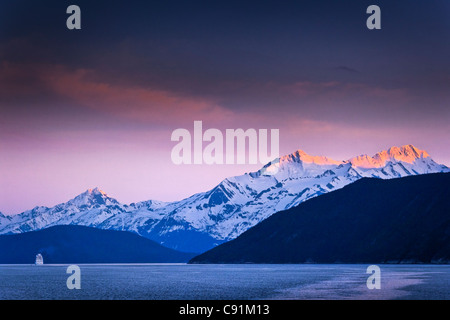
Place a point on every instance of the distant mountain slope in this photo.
(79, 244)
(370, 221)
(4, 220)
(207, 219)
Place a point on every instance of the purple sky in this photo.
(97, 106)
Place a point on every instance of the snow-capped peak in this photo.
(93, 197)
(407, 153)
(302, 156)
(96, 191)
(297, 163)
(231, 207)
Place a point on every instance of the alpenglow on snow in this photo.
(206, 219)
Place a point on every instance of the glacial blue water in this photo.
(219, 282)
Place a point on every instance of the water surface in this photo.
(219, 282)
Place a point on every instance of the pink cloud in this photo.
(137, 103)
(143, 104)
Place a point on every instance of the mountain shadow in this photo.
(404, 220)
(79, 244)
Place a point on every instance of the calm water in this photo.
(175, 281)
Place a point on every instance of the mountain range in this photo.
(370, 221)
(205, 220)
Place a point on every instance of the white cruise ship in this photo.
(39, 259)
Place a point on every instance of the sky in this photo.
(96, 107)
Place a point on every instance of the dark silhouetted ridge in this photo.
(79, 244)
(405, 220)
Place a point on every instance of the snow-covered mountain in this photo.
(3, 220)
(206, 219)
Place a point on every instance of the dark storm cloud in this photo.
(233, 51)
(96, 106)
(347, 69)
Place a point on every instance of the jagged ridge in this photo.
(206, 219)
